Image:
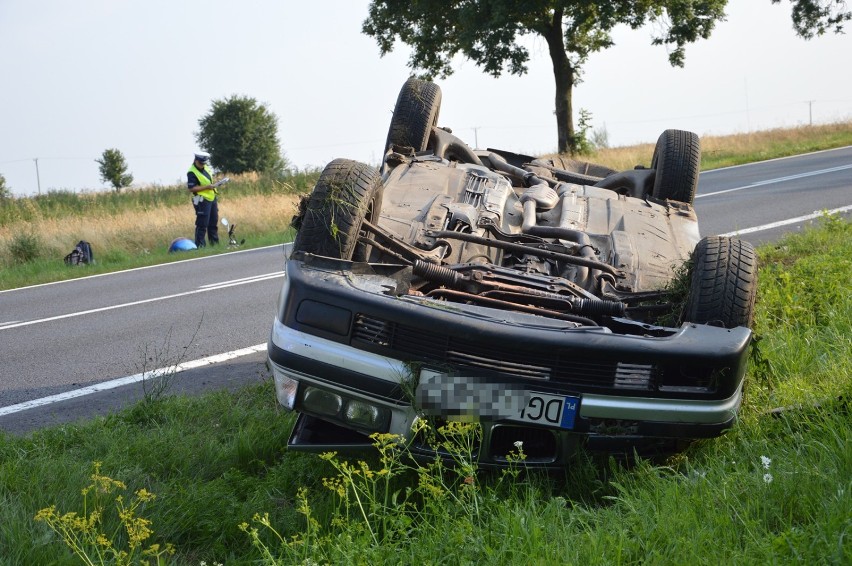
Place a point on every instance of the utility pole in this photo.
(38, 178)
(476, 137)
(810, 112)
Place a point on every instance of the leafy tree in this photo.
(5, 192)
(241, 135)
(113, 169)
(487, 32)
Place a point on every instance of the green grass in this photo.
(776, 489)
(49, 269)
(760, 146)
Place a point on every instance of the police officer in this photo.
(199, 180)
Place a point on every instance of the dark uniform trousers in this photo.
(206, 221)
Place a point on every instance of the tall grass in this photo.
(776, 489)
(132, 228)
(64, 204)
(736, 149)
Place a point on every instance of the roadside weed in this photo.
(159, 364)
(88, 535)
(381, 504)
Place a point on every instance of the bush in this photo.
(5, 192)
(25, 248)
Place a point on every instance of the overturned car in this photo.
(561, 304)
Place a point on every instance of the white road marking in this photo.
(778, 180)
(203, 289)
(812, 216)
(130, 379)
(233, 282)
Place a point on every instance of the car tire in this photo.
(677, 161)
(347, 192)
(724, 283)
(416, 112)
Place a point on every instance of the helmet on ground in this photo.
(182, 245)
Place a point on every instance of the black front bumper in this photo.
(636, 391)
(354, 305)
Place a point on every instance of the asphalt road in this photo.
(736, 199)
(75, 349)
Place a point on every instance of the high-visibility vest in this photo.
(204, 178)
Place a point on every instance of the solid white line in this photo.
(778, 180)
(243, 280)
(121, 381)
(134, 303)
(812, 216)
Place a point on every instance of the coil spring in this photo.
(436, 273)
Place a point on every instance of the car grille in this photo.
(556, 367)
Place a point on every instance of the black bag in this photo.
(81, 255)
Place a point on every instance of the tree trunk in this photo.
(563, 74)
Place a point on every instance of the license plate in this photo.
(550, 410)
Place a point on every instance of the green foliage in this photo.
(25, 248)
(489, 32)
(817, 17)
(804, 315)
(212, 461)
(113, 169)
(241, 135)
(581, 141)
(88, 538)
(5, 192)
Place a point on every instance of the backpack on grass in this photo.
(81, 255)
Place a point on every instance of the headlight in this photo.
(365, 415)
(322, 402)
(356, 413)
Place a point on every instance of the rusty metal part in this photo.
(497, 303)
(397, 246)
(521, 248)
(385, 250)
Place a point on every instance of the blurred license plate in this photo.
(550, 410)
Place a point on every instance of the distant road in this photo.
(66, 340)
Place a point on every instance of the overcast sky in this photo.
(82, 76)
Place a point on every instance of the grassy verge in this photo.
(50, 269)
(134, 228)
(776, 489)
(737, 149)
